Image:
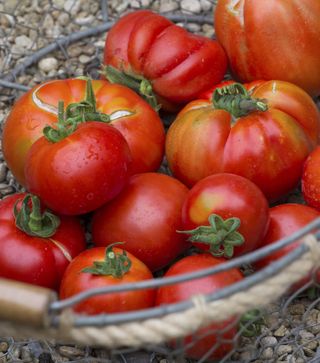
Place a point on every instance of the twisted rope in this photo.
(155, 331)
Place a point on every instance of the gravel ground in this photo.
(290, 330)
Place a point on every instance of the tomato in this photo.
(101, 267)
(146, 216)
(134, 118)
(266, 140)
(285, 219)
(178, 65)
(311, 179)
(205, 338)
(233, 200)
(36, 251)
(271, 39)
(80, 172)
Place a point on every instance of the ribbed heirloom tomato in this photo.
(36, 246)
(215, 335)
(103, 267)
(145, 216)
(154, 54)
(272, 39)
(264, 134)
(134, 118)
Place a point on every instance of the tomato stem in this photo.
(114, 264)
(221, 235)
(235, 99)
(74, 114)
(135, 82)
(32, 221)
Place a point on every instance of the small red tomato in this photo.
(183, 291)
(311, 179)
(36, 246)
(285, 219)
(146, 216)
(80, 172)
(236, 210)
(100, 267)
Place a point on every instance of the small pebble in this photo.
(192, 6)
(269, 341)
(48, 64)
(267, 353)
(168, 6)
(281, 332)
(70, 352)
(284, 349)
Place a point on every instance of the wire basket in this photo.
(50, 39)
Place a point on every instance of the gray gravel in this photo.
(291, 329)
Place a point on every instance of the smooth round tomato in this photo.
(133, 117)
(80, 172)
(146, 216)
(227, 196)
(205, 338)
(176, 63)
(285, 219)
(94, 268)
(268, 147)
(35, 256)
(311, 179)
(271, 39)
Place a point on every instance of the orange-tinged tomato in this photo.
(268, 147)
(272, 39)
(134, 118)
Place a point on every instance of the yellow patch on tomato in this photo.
(203, 206)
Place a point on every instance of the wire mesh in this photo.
(56, 39)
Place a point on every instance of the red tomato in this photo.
(228, 196)
(81, 172)
(146, 216)
(311, 179)
(33, 259)
(269, 147)
(78, 278)
(272, 39)
(285, 219)
(186, 290)
(178, 64)
(134, 118)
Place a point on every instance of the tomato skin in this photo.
(228, 195)
(74, 281)
(310, 182)
(139, 123)
(185, 290)
(269, 148)
(82, 171)
(36, 260)
(178, 64)
(146, 216)
(285, 219)
(261, 45)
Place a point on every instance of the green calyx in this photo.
(114, 264)
(221, 235)
(236, 99)
(251, 323)
(32, 221)
(74, 114)
(135, 82)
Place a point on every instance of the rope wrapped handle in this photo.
(26, 310)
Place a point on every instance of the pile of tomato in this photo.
(88, 153)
